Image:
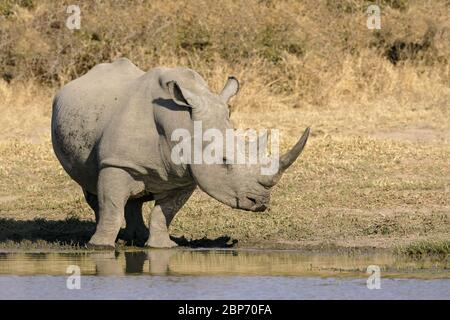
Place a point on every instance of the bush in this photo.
(311, 51)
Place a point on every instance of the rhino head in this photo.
(240, 186)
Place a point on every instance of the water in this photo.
(219, 274)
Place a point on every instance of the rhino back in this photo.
(81, 111)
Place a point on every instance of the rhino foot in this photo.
(93, 246)
(133, 237)
(160, 241)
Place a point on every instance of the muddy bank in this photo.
(415, 253)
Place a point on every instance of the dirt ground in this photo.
(377, 175)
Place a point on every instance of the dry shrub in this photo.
(288, 54)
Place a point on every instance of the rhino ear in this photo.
(181, 96)
(231, 89)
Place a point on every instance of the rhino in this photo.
(111, 131)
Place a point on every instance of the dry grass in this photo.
(376, 171)
(350, 188)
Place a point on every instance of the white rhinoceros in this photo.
(111, 131)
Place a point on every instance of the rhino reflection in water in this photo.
(111, 263)
(111, 131)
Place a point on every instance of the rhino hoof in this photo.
(92, 246)
(156, 242)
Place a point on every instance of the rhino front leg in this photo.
(135, 232)
(162, 215)
(113, 189)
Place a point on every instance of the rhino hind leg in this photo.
(92, 201)
(162, 215)
(113, 191)
(135, 232)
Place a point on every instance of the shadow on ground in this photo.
(75, 231)
(220, 242)
(63, 231)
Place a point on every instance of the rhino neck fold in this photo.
(173, 170)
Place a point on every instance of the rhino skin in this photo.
(111, 131)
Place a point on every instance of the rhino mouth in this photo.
(249, 203)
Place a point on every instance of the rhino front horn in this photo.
(286, 160)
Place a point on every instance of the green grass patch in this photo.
(426, 248)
